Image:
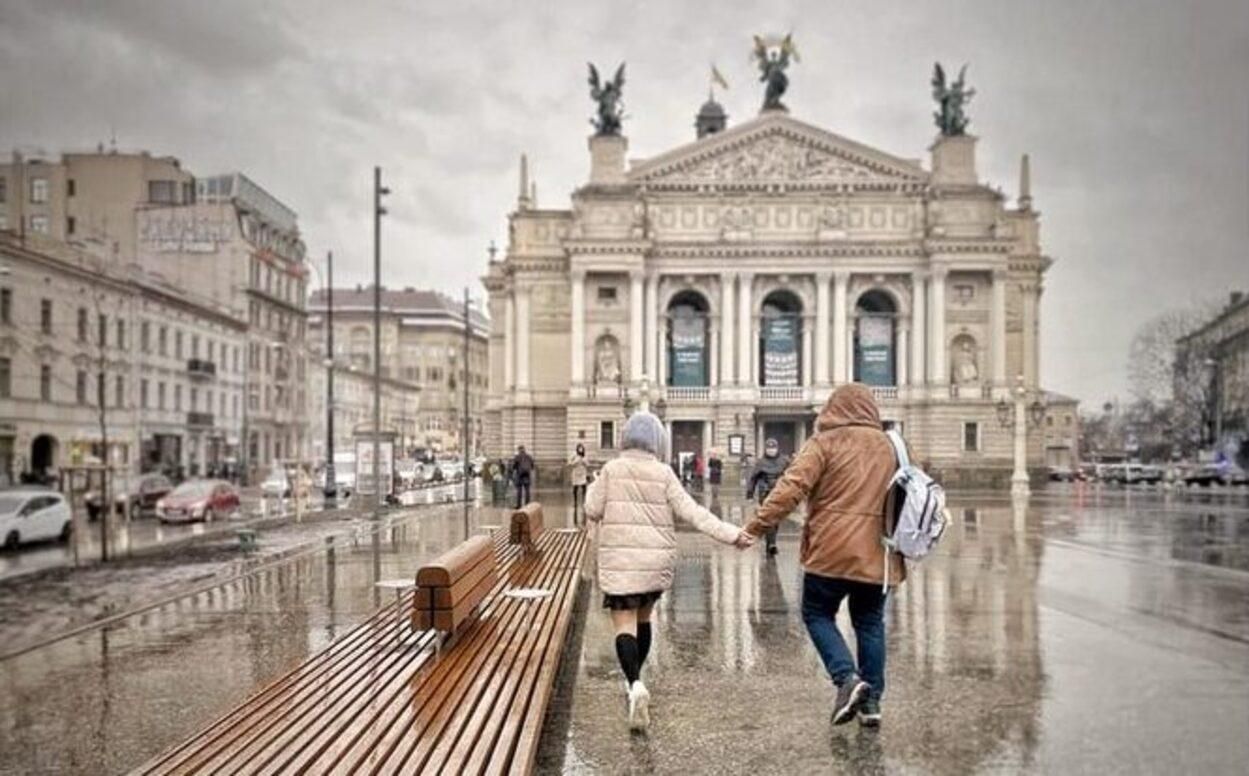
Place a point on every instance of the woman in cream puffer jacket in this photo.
(633, 501)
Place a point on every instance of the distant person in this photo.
(715, 474)
(844, 473)
(578, 477)
(700, 471)
(634, 498)
(766, 473)
(522, 475)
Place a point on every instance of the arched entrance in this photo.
(780, 339)
(875, 339)
(42, 454)
(689, 343)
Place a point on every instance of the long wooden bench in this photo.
(379, 700)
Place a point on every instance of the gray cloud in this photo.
(1136, 115)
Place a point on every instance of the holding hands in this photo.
(744, 541)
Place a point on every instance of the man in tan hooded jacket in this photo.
(843, 472)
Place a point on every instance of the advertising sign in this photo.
(365, 476)
(875, 350)
(780, 351)
(689, 336)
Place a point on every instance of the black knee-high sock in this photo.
(627, 652)
(644, 642)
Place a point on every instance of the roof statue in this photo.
(772, 57)
(951, 119)
(609, 98)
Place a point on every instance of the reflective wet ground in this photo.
(1089, 631)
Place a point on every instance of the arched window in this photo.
(688, 340)
(875, 339)
(780, 339)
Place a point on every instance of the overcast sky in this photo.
(1136, 115)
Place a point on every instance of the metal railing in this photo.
(885, 392)
(782, 393)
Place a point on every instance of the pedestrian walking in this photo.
(715, 474)
(578, 476)
(766, 473)
(844, 472)
(700, 472)
(634, 499)
(522, 475)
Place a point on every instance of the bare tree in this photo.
(1152, 355)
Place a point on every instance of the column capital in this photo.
(637, 275)
(939, 271)
(999, 274)
(919, 274)
(841, 276)
(577, 273)
(823, 275)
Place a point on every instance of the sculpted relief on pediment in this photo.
(772, 158)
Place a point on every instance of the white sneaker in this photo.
(639, 707)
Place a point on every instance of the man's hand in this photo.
(744, 541)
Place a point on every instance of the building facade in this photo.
(353, 408)
(422, 346)
(731, 283)
(1212, 372)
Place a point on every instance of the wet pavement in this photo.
(1090, 630)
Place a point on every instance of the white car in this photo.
(32, 516)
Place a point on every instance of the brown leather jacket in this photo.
(843, 474)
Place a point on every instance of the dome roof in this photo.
(711, 109)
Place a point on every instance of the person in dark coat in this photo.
(767, 472)
(522, 475)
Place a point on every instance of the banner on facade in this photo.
(689, 352)
(876, 350)
(780, 351)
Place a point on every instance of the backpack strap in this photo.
(899, 452)
(899, 448)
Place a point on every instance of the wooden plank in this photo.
(454, 563)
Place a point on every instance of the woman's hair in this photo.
(644, 431)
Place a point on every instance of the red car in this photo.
(198, 500)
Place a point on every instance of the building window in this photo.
(69, 224)
(194, 346)
(82, 324)
(162, 341)
(177, 398)
(80, 387)
(121, 334)
(145, 337)
(45, 316)
(162, 192)
(607, 435)
(194, 400)
(177, 344)
(160, 396)
(119, 391)
(102, 330)
(6, 305)
(100, 395)
(6, 378)
(971, 437)
(39, 190)
(607, 293)
(71, 188)
(39, 224)
(143, 387)
(45, 382)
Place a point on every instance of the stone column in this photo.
(1030, 291)
(807, 325)
(713, 349)
(635, 326)
(901, 377)
(662, 349)
(652, 326)
(744, 350)
(936, 340)
(726, 329)
(522, 338)
(918, 320)
(841, 372)
(578, 327)
(509, 342)
(755, 377)
(998, 324)
(821, 327)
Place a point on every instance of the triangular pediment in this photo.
(776, 149)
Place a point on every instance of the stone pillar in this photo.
(744, 350)
(997, 335)
(509, 342)
(936, 340)
(662, 349)
(635, 326)
(607, 158)
(918, 321)
(652, 327)
(522, 337)
(578, 327)
(1030, 292)
(726, 329)
(807, 325)
(901, 377)
(713, 368)
(755, 377)
(841, 371)
(821, 327)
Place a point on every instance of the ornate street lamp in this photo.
(1019, 417)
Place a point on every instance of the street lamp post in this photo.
(379, 191)
(1018, 417)
(331, 481)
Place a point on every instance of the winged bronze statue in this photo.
(609, 97)
(772, 59)
(950, 116)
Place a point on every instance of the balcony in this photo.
(199, 369)
(885, 392)
(781, 394)
(689, 393)
(199, 420)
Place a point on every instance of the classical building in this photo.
(732, 282)
(422, 342)
(1062, 431)
(1212, 370)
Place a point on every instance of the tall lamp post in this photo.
(1019, 417)
(331, 481)
(379, 191)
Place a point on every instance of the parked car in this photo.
(1133, 474)
(1061, 474)
(199, 500)
(1207, 474)
(32, 515)
(145, 491)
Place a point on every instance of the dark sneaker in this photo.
(772, 549)
(850, 697)
(869, 713)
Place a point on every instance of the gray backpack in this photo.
(919, 515)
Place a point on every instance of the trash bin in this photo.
(498, 492)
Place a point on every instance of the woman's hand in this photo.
(744, 541)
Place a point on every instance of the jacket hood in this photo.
(849, 405)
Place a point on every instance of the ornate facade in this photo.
(733, 282)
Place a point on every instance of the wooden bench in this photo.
(378, 700)
(526, 524)
(449, 588)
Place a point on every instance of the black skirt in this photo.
(630, 600)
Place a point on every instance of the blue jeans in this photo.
(821, 598)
